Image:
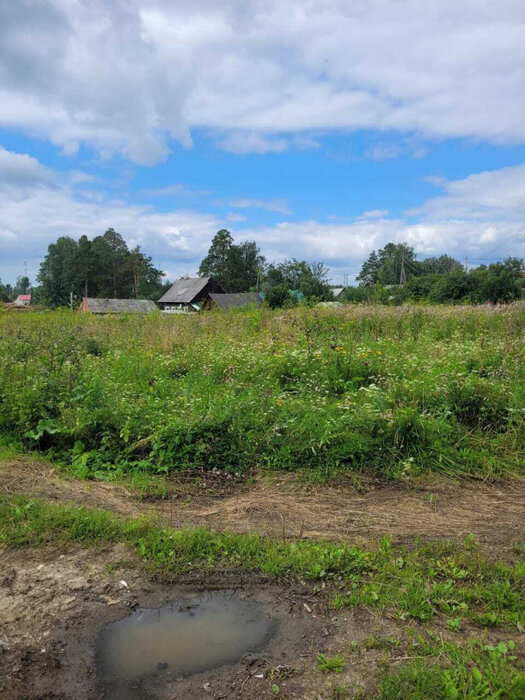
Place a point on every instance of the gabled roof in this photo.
(185, 290)
(236, 301)
(119, 306)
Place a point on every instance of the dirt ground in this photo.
(53, 602)
(283, 506)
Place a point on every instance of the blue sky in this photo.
(320, 129)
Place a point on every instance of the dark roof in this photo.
(236, 301)
(119, 306)
(185, 290)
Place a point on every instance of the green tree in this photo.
(5, 292)
(278, 296)
(57, 274)
(369, 274)
(236, 267)
(103, 267)
(311, 279)
(111, 253)
(433, 265)
(215, 264)
(146, 280)
(394, 264)
(22, 285)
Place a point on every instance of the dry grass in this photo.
(284, 507)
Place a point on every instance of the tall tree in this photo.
(85, 267)
(146, 280)
(112, 252)
(236, 267)
(394, 264)
(5, 292)
(434, 265)
(369, 274)
(215, 263)
(22, 285)
(57, 273)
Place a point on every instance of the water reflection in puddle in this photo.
(183, 637)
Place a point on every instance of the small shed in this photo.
(186, 294)
(23, 300)
(117, 306)
(232, 301)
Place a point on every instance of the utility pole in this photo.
(466, 263)
(403, 274)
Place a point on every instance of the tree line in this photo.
(394, 275)
(105, 267)
(101, 267)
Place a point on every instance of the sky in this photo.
(322, 129)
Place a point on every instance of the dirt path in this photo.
(281, 506)
(54, 600)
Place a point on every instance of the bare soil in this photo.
(53, 604)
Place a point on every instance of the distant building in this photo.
(336, 291)
(187, 294)
(23, 300)
(232, 301)
(117, 306)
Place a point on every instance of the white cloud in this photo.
(383, 151)
(20, 169)
(373, 214)
(126, 77)
(276, 205)
(235, 217)
(241, 143)
(487, 195)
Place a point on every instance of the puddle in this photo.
(183, 637)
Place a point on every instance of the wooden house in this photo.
(188, 294)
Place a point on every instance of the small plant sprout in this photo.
(454, 624)
(330, 663)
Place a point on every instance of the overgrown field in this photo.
(394, 392)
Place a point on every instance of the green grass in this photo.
(395, 393)
(473, 671)
(426, 582)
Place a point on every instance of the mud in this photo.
(53, 604)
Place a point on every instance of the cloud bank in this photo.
(130, 77)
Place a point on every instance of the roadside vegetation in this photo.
(394, 393)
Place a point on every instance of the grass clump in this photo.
(395, 392)
(330, 663)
